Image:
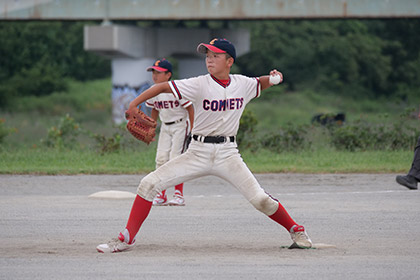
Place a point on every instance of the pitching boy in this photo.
(176, 120)
(219, 98)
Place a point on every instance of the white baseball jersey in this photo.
(217, 108)
(170, 109)
(172, 136)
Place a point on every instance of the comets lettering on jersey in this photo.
(217, 107)
(223, 105)
(166, 104)
(170, 109)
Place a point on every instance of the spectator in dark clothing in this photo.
(413, 177)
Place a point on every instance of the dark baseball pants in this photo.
(415, 166)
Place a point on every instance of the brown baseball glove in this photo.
(140, 125)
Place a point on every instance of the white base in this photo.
(323, 246)
(113, 195)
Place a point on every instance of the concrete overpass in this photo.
(204, 9)
(132, 49)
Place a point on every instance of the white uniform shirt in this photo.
(170, 109)
(217, 109)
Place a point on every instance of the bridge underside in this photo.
(205, 9)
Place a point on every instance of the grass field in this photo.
(53, 162)
(89, 104)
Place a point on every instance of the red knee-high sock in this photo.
(138, 214)
(282, 217)
(179, 188)
(163, 193)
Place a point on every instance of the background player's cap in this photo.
(218, 46)
(161, 65)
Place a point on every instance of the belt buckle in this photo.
(224, 140)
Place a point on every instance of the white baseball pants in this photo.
(202, 159)
(171, 141)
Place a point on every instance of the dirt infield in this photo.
(49, 229)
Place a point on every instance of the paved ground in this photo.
(49, 229)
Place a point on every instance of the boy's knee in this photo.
(159, 163)
(161, 160)
(264, 203)
(147, 188)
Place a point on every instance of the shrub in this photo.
(351, 137)
(63, 135)
(4, 130)
(246, 136)
(366, 136)
(289, 138)
(108, 144)
(66, 135)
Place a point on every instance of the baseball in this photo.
(274, 80)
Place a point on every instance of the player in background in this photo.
(176, 118)
(219, 99)
(413, 177)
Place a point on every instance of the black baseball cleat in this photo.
(407, 181)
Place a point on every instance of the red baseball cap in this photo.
(161, 65)
(218, 45)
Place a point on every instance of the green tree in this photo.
(356, 57)
(36, 58)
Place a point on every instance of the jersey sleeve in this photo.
(258, 91)
(251, 86)
(186, 103)
(186, 89)
(150, 103)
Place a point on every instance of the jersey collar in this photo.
(220, 82)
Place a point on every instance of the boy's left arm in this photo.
(265, 80)
(150, 93)
(155, 114)
(190, 110)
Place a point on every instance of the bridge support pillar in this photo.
(133, 49)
